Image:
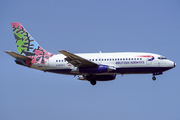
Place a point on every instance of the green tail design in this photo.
(28, 46)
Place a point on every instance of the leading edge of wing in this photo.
(77, 61)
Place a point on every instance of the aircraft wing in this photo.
(78, 61)
(17, 56)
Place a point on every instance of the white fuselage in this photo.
(88, 66)
(123, 62)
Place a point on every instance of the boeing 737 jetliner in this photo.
(88, 66)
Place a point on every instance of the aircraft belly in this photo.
(139, 70)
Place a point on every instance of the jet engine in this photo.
(100, 69)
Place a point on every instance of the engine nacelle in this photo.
(100, 69)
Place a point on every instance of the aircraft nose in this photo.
(174, 64)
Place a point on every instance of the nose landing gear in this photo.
(154, 78)
(156, 73)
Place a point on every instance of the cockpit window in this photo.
(161, 58)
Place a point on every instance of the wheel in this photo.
(154, 78)
(93, 82)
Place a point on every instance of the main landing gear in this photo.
(91, 79)
(93, 82)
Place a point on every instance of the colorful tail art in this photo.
(28, 46)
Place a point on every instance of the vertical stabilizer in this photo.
(25, 42)
(28, 46)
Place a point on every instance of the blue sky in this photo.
(83, 27)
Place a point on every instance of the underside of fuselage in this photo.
(138, 70)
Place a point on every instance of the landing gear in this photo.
(154, 78)
(92, 79)
(93, 82)
(156, 73)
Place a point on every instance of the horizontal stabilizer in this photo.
(17, 56)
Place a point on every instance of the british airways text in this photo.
(130, 62)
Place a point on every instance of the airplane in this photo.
(91, 67)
